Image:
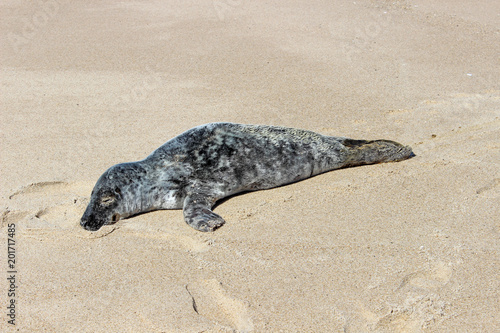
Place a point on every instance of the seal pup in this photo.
(209, 162)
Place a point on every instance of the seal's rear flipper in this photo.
(199, 215)
(376, 151)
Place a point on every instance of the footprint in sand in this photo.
(45, 187)
(430, 280)
(422, 305)
(416, 314)
(211, 301)
(490, 186)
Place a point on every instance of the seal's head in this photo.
(109, 199)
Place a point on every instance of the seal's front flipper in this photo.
(198, 213)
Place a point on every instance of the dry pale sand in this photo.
(401, 247)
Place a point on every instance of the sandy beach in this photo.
(412, 246)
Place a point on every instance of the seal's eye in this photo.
(107, 200)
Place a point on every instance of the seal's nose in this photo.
(89, 223)
(84, 224)
(88, 226)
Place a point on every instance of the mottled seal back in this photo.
(209, 162)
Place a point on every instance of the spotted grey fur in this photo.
(209, 162)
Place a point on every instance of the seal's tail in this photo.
(377, 151)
